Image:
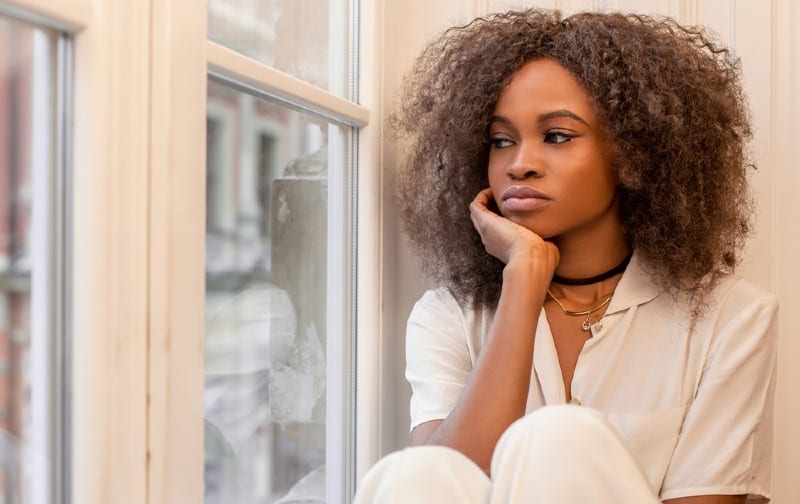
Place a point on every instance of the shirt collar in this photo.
(634, 288)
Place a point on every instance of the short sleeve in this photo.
(438, 360)
(725, 443)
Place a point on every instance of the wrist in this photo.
(526, 281)
(537, 263)
(528, 267)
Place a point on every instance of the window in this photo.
(148, 200)
(308, 39)
(280, 256)
(266, 300)
(34, 386)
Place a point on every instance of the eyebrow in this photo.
(544, 117)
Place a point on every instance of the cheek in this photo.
(607, 182)
(594, 192)
(495, 175)
(597, 180)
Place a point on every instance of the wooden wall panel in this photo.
(784, 157)
(750, 25)
(503, 5)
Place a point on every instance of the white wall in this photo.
(761, 34)
(408, 26)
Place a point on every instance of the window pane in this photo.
(267, 248)
(304, 38)
(27, 146)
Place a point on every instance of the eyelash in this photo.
(550, 137)
(495, 142)
(551, 134)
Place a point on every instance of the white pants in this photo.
(557, 454)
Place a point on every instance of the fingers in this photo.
(479, 210)
(497, 233)
(484, 197)
(475, 223)
(504, 238)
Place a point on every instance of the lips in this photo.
(522, 192)
(522, 198)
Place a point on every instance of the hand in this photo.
(507, 240)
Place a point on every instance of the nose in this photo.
(526, 164)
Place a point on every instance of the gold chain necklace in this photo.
(586, 324)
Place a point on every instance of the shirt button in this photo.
(575, 400)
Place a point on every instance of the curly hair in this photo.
(670, 100)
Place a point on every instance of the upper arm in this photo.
(438, 361)
(725, 442)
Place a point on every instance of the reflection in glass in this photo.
(304, 38)
(266, 246)
(27, 122)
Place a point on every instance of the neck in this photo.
(589, 252)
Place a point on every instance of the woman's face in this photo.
(549, 162)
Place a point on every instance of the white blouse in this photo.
(694, 406)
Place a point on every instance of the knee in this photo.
(546, 452)
(563, 420)
(559, 429)
(413, 463)
(420, 474)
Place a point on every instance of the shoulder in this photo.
(731, 298)
(443, 303)
(438, 309)
(734, 311)
(438, 315)
(736, 298)
(439, 298)
(741, 320)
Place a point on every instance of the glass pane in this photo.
(304, 38)
(27, 125)
(267, 248)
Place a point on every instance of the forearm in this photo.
(497, 389)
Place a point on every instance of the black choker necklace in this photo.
(619, 268)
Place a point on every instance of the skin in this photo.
(545, 135)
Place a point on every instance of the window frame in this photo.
(249, 75)
(51, 276)
(177, 300)
(137, 210)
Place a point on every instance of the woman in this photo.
(602, 160)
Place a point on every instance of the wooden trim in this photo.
(370, 291)
(109, 252)
(67, 15)
(177, 253)
(264, 80)
(686, 11)
(783, 162)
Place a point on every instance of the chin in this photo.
(542, 229)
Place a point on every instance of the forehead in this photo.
(542, 85)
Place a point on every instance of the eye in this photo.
(501, 142)
(557, 137)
